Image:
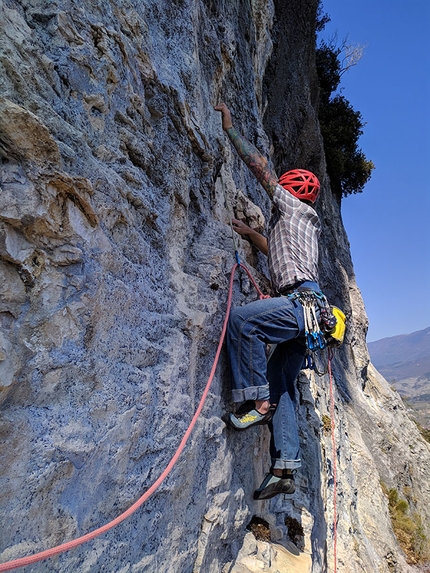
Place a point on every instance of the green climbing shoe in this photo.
(274, 485)
(248, 419)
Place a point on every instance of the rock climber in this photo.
(266, 389)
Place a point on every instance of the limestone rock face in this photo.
(115, 257)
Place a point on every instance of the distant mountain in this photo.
(404, 361)
(402, 356)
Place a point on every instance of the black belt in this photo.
(286, 292)
(297, 287)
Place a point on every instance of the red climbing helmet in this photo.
(301, 183)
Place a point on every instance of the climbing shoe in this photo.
(244, 420)
(274, 485)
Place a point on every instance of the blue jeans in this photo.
(251, 327)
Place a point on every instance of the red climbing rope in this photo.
(9, 565)
(334, 456)
(260, 294)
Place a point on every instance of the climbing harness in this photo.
(313, 333)
(324, 327)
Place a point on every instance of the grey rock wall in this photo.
(115, 257)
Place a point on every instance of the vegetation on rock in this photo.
(341, 126)
(425, 432)
(408, 528)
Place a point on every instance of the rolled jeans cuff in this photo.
(251, 393)
(278, 464)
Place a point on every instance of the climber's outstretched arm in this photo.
(256, 162)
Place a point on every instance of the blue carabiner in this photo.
(321, 340)
(311, 341)
(315, 340)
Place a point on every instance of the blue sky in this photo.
(388, 224)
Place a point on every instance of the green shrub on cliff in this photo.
(341, 126)
(408, 528)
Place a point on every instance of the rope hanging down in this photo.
(334, 454)
(23, 561)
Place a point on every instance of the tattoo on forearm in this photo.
(256, 162)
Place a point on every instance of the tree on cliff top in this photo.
(341, 126)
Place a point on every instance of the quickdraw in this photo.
(314, 335)
(319, 321)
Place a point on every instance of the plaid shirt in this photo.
(294, 228)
